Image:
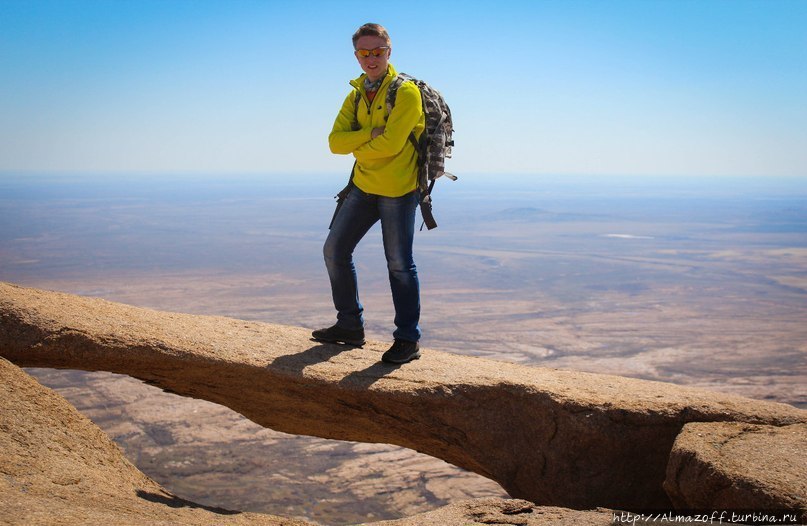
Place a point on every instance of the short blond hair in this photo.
(372, 30)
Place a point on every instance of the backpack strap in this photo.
(342, 195)
(355, 124)
(426, 208)
(392, 96)
(392, 91)
(424, 188)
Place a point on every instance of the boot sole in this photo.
(354, 343)
(411, 358)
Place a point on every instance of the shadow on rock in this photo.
(321, 352)
(369, 375)
(175, 502)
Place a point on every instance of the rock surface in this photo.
(209, 454)
(558, 438)
(739, 466)
(59, 468)
(484, 512)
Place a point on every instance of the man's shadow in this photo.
(366, 377)
(322, 352)
(318, 353)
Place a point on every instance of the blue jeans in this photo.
(359, 212)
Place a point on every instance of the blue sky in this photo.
(668, 87)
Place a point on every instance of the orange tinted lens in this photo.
(377, 52)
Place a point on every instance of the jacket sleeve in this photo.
(343, 139)
(403, 119)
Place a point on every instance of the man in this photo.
(383, 187)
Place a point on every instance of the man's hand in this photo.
(376, 132)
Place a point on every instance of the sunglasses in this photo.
(377, 52)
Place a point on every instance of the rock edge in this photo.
(558, 438)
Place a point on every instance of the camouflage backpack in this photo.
(435, 143)
(433, 147)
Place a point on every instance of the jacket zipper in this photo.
(366, 99)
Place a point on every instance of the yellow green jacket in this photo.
(386, 165)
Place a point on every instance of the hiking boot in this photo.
(402, 351)
(337, 334)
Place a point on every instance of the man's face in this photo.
(374, 66)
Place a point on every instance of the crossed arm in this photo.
(382, 141)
